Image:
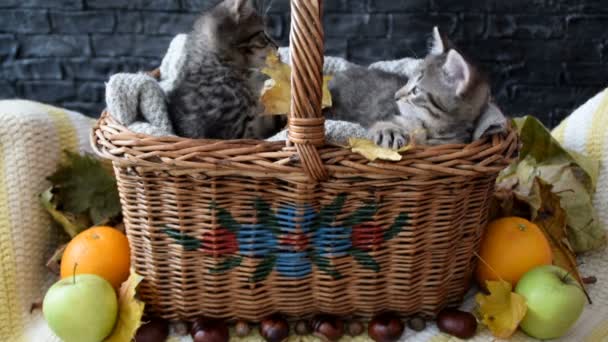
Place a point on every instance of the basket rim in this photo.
(112, 140)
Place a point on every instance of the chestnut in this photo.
(328, 328)
(417, 323)
(302, 327)
(457, 323)
(153, 330)
(274, 328)
(355, 328)
(209, 330)
(386, 327)
(242, 328)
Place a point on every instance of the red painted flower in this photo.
(367, 236)
(219, 242)
(298, 241)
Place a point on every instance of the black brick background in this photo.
(544, 57)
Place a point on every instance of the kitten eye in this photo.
(415, 91)
(259, 40)
(254, 39)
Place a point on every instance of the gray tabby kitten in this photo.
(439, 104)
(218, 95)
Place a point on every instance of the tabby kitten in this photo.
(439, 104)
(218, 94)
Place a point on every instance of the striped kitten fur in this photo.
(218, 95)
(440, 103)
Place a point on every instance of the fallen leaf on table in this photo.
(72, 224)
(501, 310)
(276, 94)
(371, 151)
(572, 178)
(130, 311)
(83, 185)
(538, 142)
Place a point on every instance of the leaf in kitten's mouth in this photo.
(276, 94)
(371, 151)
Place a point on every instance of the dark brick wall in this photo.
(544, 56)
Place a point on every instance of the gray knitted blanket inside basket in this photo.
(138, 101)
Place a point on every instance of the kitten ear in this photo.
(458, 71)
(240, 7)
(439, 43)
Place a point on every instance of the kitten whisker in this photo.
(268, 7)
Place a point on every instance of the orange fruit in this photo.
(103, 251)
(511, 247)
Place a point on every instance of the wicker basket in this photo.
(243, 229)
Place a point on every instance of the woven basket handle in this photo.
(306, 122)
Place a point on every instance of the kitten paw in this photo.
(389, 136)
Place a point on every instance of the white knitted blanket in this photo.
(138, 101)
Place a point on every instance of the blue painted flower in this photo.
(295, 224)
(256, 240)
(293, 264)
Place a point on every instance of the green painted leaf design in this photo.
(396, 227)
(365, 260)
(363, 214)
(226, 220)
(189, 243)
(266, 216)
(264, 269)
(324, 265)
(227, 265)
(328, 214)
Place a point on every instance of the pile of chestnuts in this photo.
(384, 327)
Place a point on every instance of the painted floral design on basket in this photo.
(367, 236)
(218, 242)
(294, 238)
(295, 224)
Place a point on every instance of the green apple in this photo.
(82, 308)
(555, 301)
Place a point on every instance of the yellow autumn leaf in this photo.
(276, 94)
(501, 310)
(130, 311)
(371, 151)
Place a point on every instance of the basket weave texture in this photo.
(245, 228)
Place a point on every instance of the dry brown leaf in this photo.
(552, 221)
(572, 178)
(54, 262)
(276, 94)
